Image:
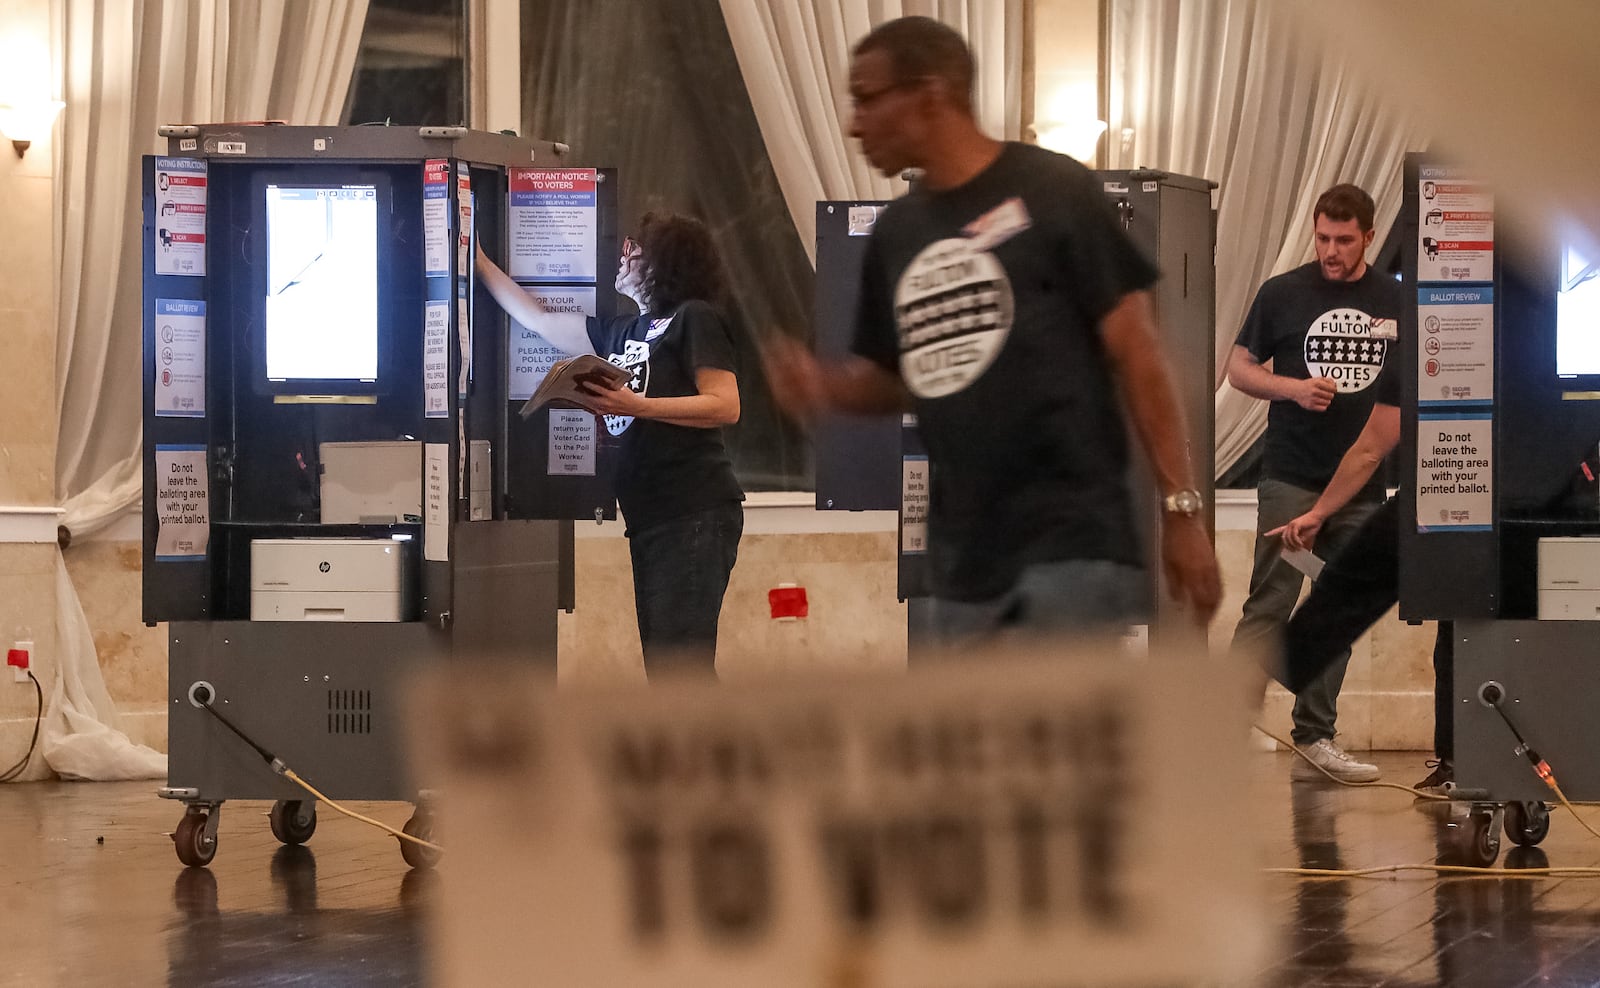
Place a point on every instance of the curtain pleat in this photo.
(794, 56)
(1236, 92)
(126, 68)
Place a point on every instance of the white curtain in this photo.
(1237, 92)
(795, 59)
(128, 67)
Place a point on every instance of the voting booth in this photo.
(1499, 513)
(338, 485)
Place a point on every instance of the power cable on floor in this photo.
(38, 716)
(1354, 785)
(204, 698)
(1541, 768)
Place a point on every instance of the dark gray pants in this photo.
(680, 574)
(1275, 589)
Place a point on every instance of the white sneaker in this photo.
(1335, 760)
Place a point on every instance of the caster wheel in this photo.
(1483, 841)
(1527, 823)
(293, 820)
(195, 849)
(420, 826)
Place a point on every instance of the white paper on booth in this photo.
(1455, 472)
(572, 435)
(180, 227)
(554, 223)
(914, 504)
(528, 357)
(180, 358)
(183, 505)
(436, 218)
(1455, 226)
(436, 504)
(1455, 358)
(436, 360)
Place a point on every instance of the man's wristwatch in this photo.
(1187, 502)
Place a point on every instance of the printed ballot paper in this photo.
(1305, 561)
(962, 827)
(569, 381)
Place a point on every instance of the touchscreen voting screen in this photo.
(1578, 314)
(322, 283)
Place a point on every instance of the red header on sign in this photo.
(554, 179)
(435, 171)
(192, 181)
(1466, 245)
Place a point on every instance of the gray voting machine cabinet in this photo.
(877, 463)
(1499, 513)
(339, 486)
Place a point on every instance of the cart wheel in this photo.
(420, 826)
(1484, 838)
(195, 849)
(1527, 823)
(293, 820)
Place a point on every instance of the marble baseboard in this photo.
(146, 727)
(1369, 720)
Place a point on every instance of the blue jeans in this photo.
(680, 573)
(1071, 597)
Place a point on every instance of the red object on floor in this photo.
(788, 602)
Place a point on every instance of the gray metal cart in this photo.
(1494, 444)
(231, 455)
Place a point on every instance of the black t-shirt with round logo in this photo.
(666, 471)
(1309, 326)
(986, 300)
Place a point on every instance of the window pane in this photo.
(410, 67)
(654, 89)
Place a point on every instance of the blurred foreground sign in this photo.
(1005, 824)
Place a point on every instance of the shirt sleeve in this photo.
(1254, 335)
(1104, 263)
(876, 336)
(708, 338)
(1386, 389)
(599, 338)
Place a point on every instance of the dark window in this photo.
(654, 90)
(411, 65)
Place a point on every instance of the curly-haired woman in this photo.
(674, 481)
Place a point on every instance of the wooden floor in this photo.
(91, 893)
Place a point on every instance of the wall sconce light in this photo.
(24, 123)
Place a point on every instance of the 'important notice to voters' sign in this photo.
(957, 828)
(554, 223)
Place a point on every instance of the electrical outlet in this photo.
(18, 658)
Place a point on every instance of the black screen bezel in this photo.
(323, 176)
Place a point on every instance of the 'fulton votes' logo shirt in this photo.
(953, 304)
(1348, 347)
(1306, 327)
(635, 356)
